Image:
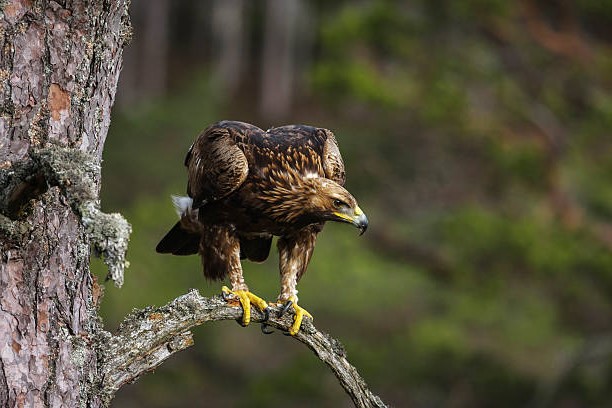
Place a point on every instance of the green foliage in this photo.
(482, 157)
(133, 165)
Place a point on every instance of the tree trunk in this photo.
(153, 68)
(228, 40)
(59, 66)
(278, 58)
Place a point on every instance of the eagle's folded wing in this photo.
(216, 165)
(332, 160)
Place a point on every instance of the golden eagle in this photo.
(246, 186)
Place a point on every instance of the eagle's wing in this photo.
(306, 142)
(332, 160)
(216, 164)
(255, 249)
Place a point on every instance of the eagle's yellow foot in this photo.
(246, 298)
(300, 312)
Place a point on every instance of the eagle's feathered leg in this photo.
(295, 251)
(220, 250)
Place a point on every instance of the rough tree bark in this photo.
(59, 66)
(278, 56)
(227, 24)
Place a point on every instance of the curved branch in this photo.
(147, 337)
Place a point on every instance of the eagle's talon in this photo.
(266, 313)
(264, 326)
(246, 298)
(299, 312)
(286, 307)
(225, 295)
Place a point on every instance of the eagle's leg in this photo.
(239, 288)
(294, 252)
(289, 300)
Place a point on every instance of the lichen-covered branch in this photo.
(76, 174)
(149, 336)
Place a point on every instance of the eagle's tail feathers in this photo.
(179, 242)
(182, 204)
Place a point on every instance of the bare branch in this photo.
(147, 337)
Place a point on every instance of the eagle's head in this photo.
(329, 201)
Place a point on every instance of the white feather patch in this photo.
(182, 204)
(311, 175)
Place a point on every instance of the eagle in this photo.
(244, 187)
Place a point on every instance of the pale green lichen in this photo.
(109, 235)
(81, 352)
(77, 173)
(72, 170)
(10, 229)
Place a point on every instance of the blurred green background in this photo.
(476, 136)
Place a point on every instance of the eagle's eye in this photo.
(340, 204)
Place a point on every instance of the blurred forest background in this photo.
(477, 138)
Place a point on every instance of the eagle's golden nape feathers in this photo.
(246, 185)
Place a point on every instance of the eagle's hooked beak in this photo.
(358, 219)
(361, 221)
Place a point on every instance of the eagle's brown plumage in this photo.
(246, 185)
